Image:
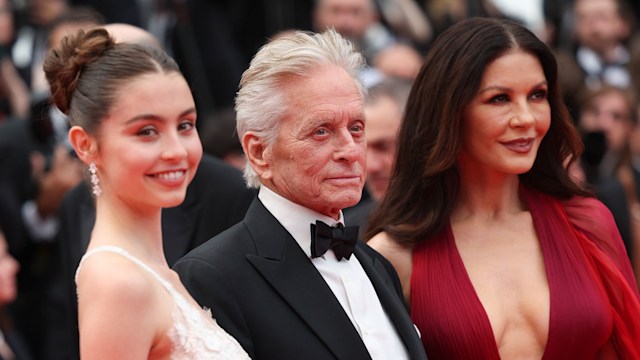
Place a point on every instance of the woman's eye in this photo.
(186, 125)
(539, 94)
(321, 131)
(147, 132)
(499, 98)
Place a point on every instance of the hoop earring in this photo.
(95, 181)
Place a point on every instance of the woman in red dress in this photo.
(501, 254)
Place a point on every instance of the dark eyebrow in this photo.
(154, 117)
(506, 89)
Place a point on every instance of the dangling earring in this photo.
(95, 181)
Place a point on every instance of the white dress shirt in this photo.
(346, 278)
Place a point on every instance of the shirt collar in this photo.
(295, 218)
(592, 63)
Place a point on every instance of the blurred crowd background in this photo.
(596, 42)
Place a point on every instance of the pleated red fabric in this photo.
(593, 296)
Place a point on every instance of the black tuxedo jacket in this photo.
(263, 290)
(216, 199)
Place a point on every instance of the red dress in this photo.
(593, 296)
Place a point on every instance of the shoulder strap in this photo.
(118, 250)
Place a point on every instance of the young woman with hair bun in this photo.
(132, 120)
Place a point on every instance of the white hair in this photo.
(260, 102)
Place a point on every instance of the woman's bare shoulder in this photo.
(115, 278)
(399, 255)
(123, 310)
(383, 240)
(390, 248)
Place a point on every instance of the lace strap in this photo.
(118, 250)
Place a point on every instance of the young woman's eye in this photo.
(186, 125)
(147, 132)
(499, 98)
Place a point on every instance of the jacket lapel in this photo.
(392, 304)
(285, 266)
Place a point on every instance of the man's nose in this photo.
(347, 148)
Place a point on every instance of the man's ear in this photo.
(258, 154)
(84, 144)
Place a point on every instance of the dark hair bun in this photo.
(64, 65)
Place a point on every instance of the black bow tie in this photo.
(341, 239)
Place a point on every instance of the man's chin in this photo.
(349, 200)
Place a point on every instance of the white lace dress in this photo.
(195, 334)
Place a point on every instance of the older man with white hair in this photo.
(290, 281)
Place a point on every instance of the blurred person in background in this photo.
(383, 108)
(607, 120)
(446, 13)
(408, 20)
(37, 164)
(356, 20)
(609, 110)
(12, 345)
(116, 11)
(634, 152)
(214, 40)
(359, 21)
(220, 138)
(31, 43)
(14, 94)
(593, 47)
(602, 29)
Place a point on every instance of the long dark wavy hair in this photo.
(425, 182)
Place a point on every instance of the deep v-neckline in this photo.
(454, 325)
(486, 322)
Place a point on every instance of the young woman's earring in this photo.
(95, 181)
